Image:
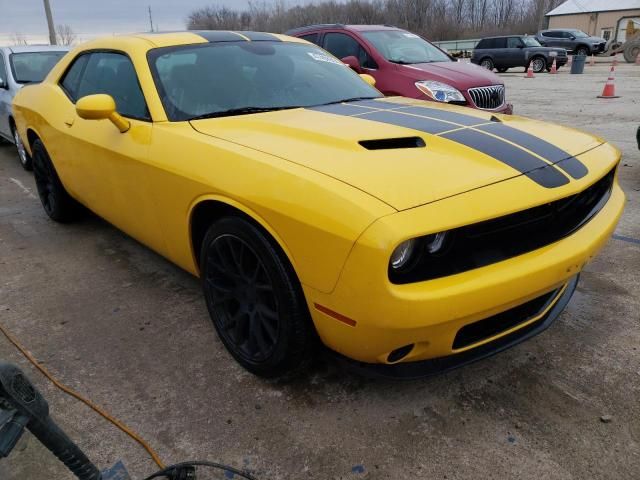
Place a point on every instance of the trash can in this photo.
(578, 63)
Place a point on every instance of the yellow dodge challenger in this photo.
(409, 237)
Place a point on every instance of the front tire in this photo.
(255, 300)
(582, 50)
(23, 155)
(57, 203)
(538, 64)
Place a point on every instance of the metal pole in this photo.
(52, 30)
(150, 18)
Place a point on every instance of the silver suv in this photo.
(20, 66)
(575, 41)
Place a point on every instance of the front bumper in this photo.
(426, 368)
(430, 314)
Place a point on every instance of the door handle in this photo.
(69, 122)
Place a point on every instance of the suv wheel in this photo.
(487, 63)
(538, 64)
(582, 50)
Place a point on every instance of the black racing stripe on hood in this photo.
(218, 36)
(534, 168)
(427, 125)
(569, 164)
(453, 117)
(260, 36)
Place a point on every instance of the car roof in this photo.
(340, 26)
(212, 36)
(506, 36)
(37, 48)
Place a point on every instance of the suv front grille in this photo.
(488, 98)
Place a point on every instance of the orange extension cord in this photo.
(87, 402)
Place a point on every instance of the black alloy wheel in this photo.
(57, 203)
(255, 300)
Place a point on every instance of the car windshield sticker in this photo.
(321, 57)
(539, 160)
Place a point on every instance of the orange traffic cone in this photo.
(554, 69)
(592, 62)
(638, 59)
(615, 60)
(530, 72)
(609, 90)
(569, 60)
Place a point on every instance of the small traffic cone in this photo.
(638, 59)
(609, 90)
(592, 62)
(554, 69)
(615, 60)
(569, 60)
(530, 72)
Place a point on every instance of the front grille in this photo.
(492, 241)
(488, 98)
(501, 322)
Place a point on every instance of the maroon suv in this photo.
(407, 65)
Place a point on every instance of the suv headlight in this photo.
(439, 91)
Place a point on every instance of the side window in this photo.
(482, 44)
(514, 42)
(71, 79)
(500, 43)
(312, 37)
(114, 74)
(567, 35)
(553, 34)
(342, 45)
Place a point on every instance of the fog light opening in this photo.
(399, 353)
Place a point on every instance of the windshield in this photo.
(30, 67)
(234, 78)
(399, 46)
(531, 42)
(578, 34)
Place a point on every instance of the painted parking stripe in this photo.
(568, 163)
(531, 166)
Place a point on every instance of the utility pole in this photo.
(52, 30)
(150, 18)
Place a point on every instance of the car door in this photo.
(109, 169)
(5, 97)
(554, 39)
(343, 45)
(514, 53)
(500, 55)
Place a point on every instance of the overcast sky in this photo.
(89, 18)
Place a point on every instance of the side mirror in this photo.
(572, 37)
(352, 62)
(520, 46)
(3, 84)
(101, 107)
(368, 78)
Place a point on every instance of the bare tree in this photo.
(65, 35)
(18, 39)
(433, 19)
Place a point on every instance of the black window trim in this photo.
(104, 50)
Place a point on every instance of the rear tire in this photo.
(255, 300)
(487, 63)
(23, 155)
(57, 203)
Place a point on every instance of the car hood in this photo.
(461, 75)
(412, 152)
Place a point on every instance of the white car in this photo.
(20, 66)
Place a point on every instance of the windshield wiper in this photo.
(240, 111)
(347, 100)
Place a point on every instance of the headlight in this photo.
(435, 243)
(402, 254)
(440, 92)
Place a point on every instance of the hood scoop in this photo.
(393, 143)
